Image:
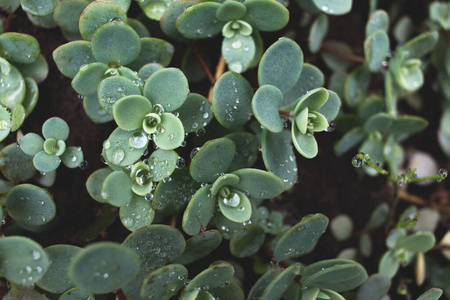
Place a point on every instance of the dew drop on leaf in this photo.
(106, 144)
(200, 132)
(158, 108)
(194, 152)
(232, 200)
(180, 163)
(357, 162)
(160, 129)
(138, 140)
(117, 156)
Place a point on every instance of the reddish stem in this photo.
(121, 295)
(204, 65)
(8, 22)
(342, 55)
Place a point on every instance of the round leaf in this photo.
(199, 211)
(173, 135)
(168, 20)
(116, 42)
(38, 69)
(22, 260)
(168, 87)
(317, 33)
(356, 86)
(97, 14)
(279, 284)
(213, 158)
(417, 242)
(19, 47)
(376, 48)
(199, 21)
(164, 283)
(246, 150)
(199, 246)
(70, 57)
(231, 99)
(154, 9)
(15, 164)
(55, 128)
(72, 157)
(124, 148)
(94, 111)
(238, 51)
(153, 51)
(129, 112)
(266, 15)
(258, 184)
(67, 14)
(103, 267)
(379, 19)
(374, 288)
(88, 78)
(281, 65)
(239, 212)
(265, 105)
(94, 183)
(137, 214)
(116, 189)
(45, 162)
(162, 163)
(13, 88)
(305, 144)
(247, 241)
(301, 238)
(215, 275)
(334, 7)
(31, 143)
(195, 113)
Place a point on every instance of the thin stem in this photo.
(8, 22)
(204, 65)
(219, 71)
(121, 295)
(346, 56)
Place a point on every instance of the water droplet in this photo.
(205, 115)
(160, 129)
(80, 97)
(236, 44)
(149, 197)
(194, 152)
(443, 173)
(357, 162)
(232, 200)
(331, 127)
(143, 177)
(183, 144)
(138, 140)
(106, 144)
(194, 125)
(325, 8)
(5, 124)
(200, 132)
(236, 67)
(180, 163)
(158, 108)
(83, 165)
(36, 254)
(117, 156)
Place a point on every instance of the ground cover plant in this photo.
(253, 149)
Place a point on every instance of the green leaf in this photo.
(378, 121)
(56, 279)
(281, 64)
(431, 294)
(67, 14)
(163, 245)
(238, 51)
(72, 157)
(173, 132)
(136, 214)
(199, 21)
(379, 216)
(438, 11)
(9, 6)
(232, 290)
(168, 20)
(279, 284)
(31, 143)
(317, 33)
(301, 238)
(335, 274)
(376, 49)
(349, 140)
(200, 245)
(148, 69)
(113, 88)
(218, 273)
(212, 159)
(30, 205)
(45, 163)
(94, 183)
(374, 288)
(124, 148)
(305, 144)
(231, 10)
(31, 95)
(356, 86)
(129, 112)
(38, 8)
(140, 28)
(88, 78)
(116, 189)
(94, 111)
(162, 163)
(227, 227)
(378, 20)
(341, 227)
(417, 242)
(419, 46)
(13, 88)
(265, 105)
(407, 125)
(103, 267)
(235, 206)
(258, 184)
(70, 57)
(171, 197)
(231, 99)
(164, 283)
(264, 15)
(195, 113)
(38, 69)
(75, 294)
(278, 156)
(109, 40)
(247, 241)
(199, 211)
(313, 100)
(334, 62)
(330, 109)
(262, 283)
(154, 9)
(246, 150)
(15, 165)
(310, 78)
(55, 128)
(153, 50)
(168, 87)
(97, 14)
(19, 47)
(389, 264)
(334, 7)
(22, 260)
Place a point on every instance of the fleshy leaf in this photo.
(55, 128)
(247, 241)
(30, 205)
(356, 86)
(168, 20)
(124, 148)
(431, 294)
(223, 180)
(164, 283)
(305, 144)
(334, 7)
(154, 9)
(103, 267)
(15, 165)
(349, 140)
(45, 163)
(265, 105)
(231, 10)
(262, 283)
(56, 279)
(94, 183)
(258, 184)
(109, 40)
(113, 88)
(199, 246)
(231, 99)
(23, 261)
(31, 143)
(313, 100)
(116, 189)
(374, 288)
(281, 65)
(301, 238)
(153, 50)
(13, 88)
(19, 47)
(129, 112)
(215, 275)
(379, 19)
(419, 46)
(199, 21)
(213, 158)
(88, 78)
(97, 14)
(238, 209)
(94, 111)
(378, 121)
(388, 265)
(246, 150)
(195, 113)
(72, 157)
(238, 51)
(67, 14)
(278, 156)
(70, 57)
(317, 33)
(330, 109)
(199, 211)
(173, 133)
(279, 284)
(136, 214)
(38, 69)
(266, 15)
(162, 163)
(417, 242)
(376, 48)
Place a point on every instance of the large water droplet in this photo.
(180, 163)
(194, 152)
(160, 129)
(143, 177)
(232, 200)
(138, 140)
(357, 162)
(117, 156)
(158, 108)
(106, 144)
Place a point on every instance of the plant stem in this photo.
(204, 65)
(342, 55)
(219, 71)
